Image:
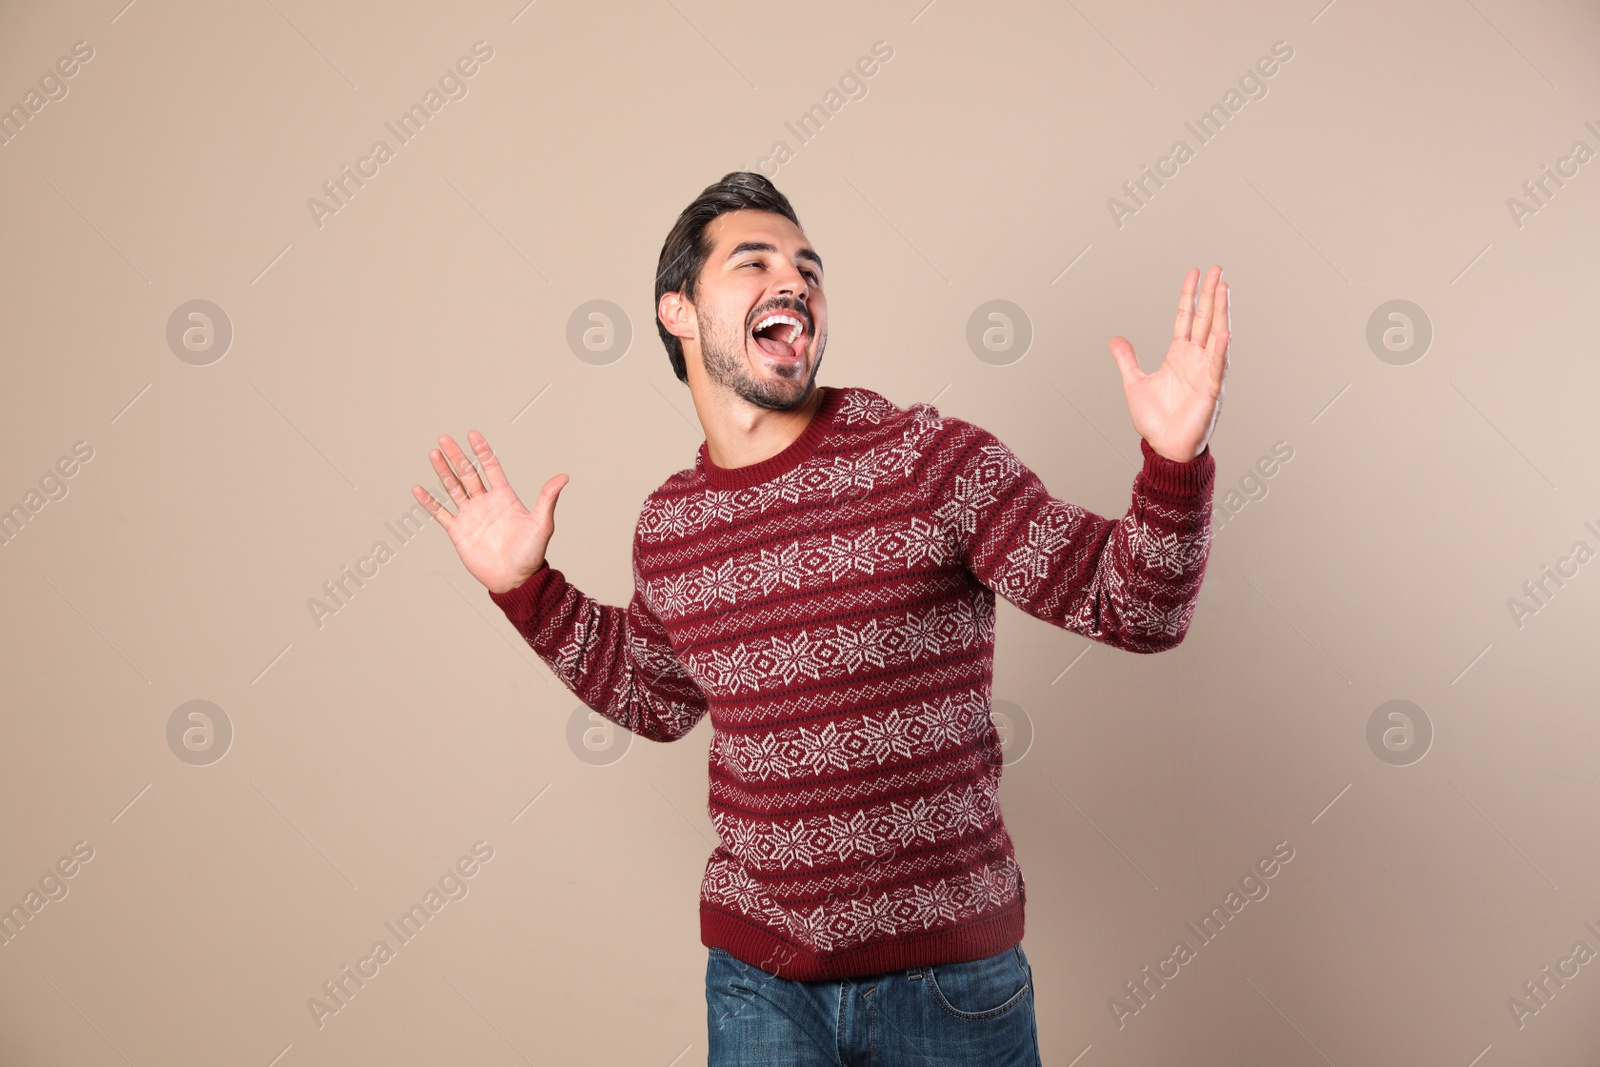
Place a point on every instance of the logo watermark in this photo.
(52, 887)
(1015, 728)
(1252, 485)
(52, 88)
(599, 332)
(452, 86)
(452, 886)
(52, 486)
(1399, 732)
(1399, 332)
(199, 732)
(1252, 85)
(1251, 888)
(199, 332)
(999, 332)
(852, 85)
(1539, 191)
(1539, 993)
(595, 739)
(341, 590)
(1539, 591)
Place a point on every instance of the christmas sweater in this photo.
(832, 610)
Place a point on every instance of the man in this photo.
(822, 583)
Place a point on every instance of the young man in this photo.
(822, 583)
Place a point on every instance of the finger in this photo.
(447, 477)
(1200, 331)
(1127, 361)
(1180, 328)
(1218, 344)
(491, 462)
(436, 509)
(462, 466)
(1217, 365)
(545, 506)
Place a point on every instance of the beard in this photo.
(722, 354)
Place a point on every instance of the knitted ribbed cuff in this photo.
(523, 603)
(1178, 479)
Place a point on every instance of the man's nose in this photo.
(795, 285)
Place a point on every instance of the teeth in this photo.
(799, 327)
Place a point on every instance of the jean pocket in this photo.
(721, 953)
(981, 989)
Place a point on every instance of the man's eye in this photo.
(812, 276)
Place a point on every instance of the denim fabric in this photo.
(978, 1012)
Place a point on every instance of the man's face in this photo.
(759, 312)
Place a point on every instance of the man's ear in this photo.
(677, 315)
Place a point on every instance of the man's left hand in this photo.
(1176, 407)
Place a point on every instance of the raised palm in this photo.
(500, 541)
(1175, 407)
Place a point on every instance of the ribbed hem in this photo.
(1178, 479)
(798, 452)
(523, 603)
(758, 947)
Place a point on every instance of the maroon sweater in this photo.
(833, 609)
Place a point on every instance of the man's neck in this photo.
(738, 433)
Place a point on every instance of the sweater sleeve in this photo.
(1131, 582)
(617, 660)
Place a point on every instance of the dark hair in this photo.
(686, 248)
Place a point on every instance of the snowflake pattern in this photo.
(852, 836)
(779, 567)
(720, 583)
(791, 846)
(858, 646)
(823, 750)
(760, 756)
(913, 822)
(923, 542)
(882, 738)
(873, 832)
(670, 596)
(1029, 563)
(920, 632)
(1169, 553)
(795, 657)
(854, 744)
(843, 649)
(965, 508)
(936, 904)
(815, 563)
(864, 406)
(737, 668)
(844, 553)
(667, 517)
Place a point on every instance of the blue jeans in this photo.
(978, 1012)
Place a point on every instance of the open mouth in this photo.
(781, 335)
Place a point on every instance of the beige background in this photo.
(370, 753)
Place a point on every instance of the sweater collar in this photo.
(799, 450)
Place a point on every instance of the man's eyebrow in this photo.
(762, 246)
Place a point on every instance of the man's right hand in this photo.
(501, 541)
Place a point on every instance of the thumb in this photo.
(545, 507)
(1127, 362)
